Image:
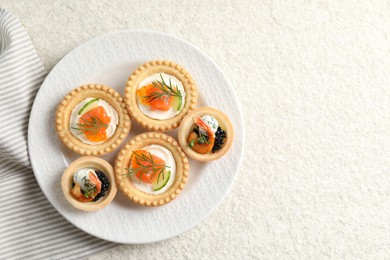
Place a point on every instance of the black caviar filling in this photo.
(220, 136)
(196, 131)
(105, 185)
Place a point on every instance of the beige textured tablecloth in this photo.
(313, 78)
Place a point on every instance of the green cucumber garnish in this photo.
(87, 105)
(162, 181)
(177, 102)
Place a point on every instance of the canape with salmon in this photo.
(206, 134)
(89, 183)
(151, 169)
(92, 120)
(159, 94)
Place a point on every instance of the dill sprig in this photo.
(90, 193)
(154, 168)
(93, 126)
(202, 138)
(166, 90)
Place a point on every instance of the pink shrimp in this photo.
(79, 195)
(206, 147)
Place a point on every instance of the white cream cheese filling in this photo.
(74, 120)
(158, 114)
(166, 155)
(81, 177)
(210, 122)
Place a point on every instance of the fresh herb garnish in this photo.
(89, 193)
(192, 143)
(165, 90)
(93, 126)
(202, 138)
(147, 165)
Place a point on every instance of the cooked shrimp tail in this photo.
(206, 147)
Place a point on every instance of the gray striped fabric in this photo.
(30, 228)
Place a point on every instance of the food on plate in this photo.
(206, 134)
(151, 169)
(89, 183)
(159, 94)
(92, 120)
(150, 172)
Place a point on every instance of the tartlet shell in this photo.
(76, 96)
(90, 162)
(123, 161)
(187, 125)
(148, 69)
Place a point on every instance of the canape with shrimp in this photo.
(206, 134)
(89, 183)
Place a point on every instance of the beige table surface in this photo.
(313, 79)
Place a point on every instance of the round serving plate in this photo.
(109, 60)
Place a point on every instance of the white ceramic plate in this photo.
(109, 60)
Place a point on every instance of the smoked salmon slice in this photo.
(146, 166)
(94, 124)
(154, 97)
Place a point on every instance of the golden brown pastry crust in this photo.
(88, 162)
(187, 125)
(123, 161)
(147, 70)
(76, 96)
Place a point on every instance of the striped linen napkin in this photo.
(30, 228)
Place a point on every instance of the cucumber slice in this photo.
(162, 181)
(176, 103)
(88, 106)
